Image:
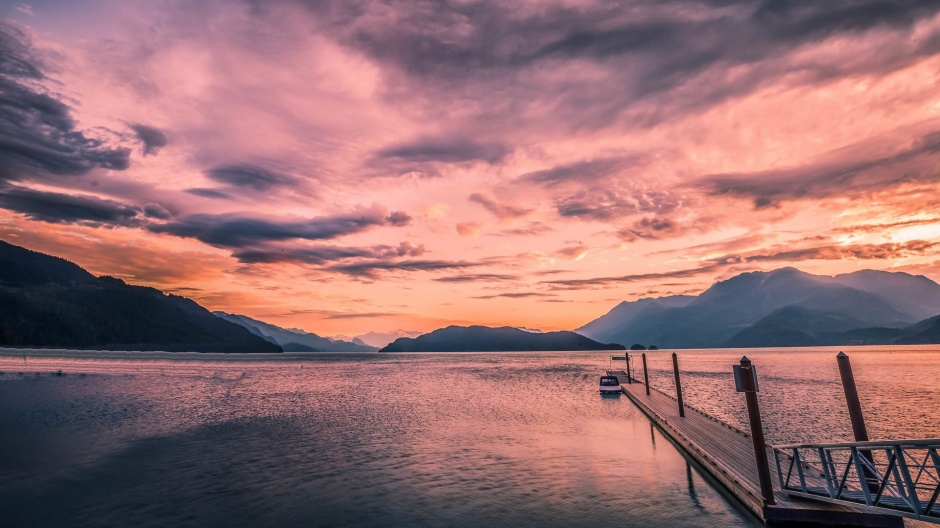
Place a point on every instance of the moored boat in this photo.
(610, 385)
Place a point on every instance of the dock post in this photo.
(855, 412)
(629, 375)
(646, 376)
(851, 398)
(675, 367)
(746, 382)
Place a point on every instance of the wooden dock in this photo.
(728, 455)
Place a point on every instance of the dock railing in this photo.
(861, 483)
(898, 476)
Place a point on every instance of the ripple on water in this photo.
(420, 440)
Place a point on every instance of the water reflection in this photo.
(457, 440)
(425, 440)
(692, 494)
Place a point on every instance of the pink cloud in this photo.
(680, 144)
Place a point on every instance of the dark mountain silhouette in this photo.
(925, 332)
(485, 339)
(21, 267)
(793, 326)
(625, 312)
(294, 340)
(912, 294)
(786, 307)
(47, 301)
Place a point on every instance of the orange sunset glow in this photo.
(346, 167)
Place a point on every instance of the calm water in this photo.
(801, 394)
(388, 440)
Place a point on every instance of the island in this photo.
(503, 339)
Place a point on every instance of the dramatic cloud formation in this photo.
(445, 150)
(37, 131)
(498, 52)
(604, 204)
(478, 277)
(653, 228)
(531, 163)
(854, 173)
(640, 277)
(742, 262)
(371, 269)
(236, 231)
(66, 208)
(209, 193)
(325, 254)
(151, 138)
(515, 295)
(533, 229)
(249, 176)
(580, 172)
(502, 211)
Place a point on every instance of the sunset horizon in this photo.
(352, 167)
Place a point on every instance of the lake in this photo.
(487, 439)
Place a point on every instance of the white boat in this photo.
(610, 385)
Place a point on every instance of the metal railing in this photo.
(900, 477)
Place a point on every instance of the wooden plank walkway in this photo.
(728, 455)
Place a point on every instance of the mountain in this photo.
(626, 312)
(793, 326)
(21, 267)
(379, 339)
(913, 294)
(925, 332)
(485, 339)
(785, 307)
(47, 301)
(293, 340)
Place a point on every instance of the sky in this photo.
(348, 166)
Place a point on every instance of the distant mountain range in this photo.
(785, 307)
(293, 340)
(49, 302)
(485, 339)
(377, 339)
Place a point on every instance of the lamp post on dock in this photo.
(745, 380)
(646, 376)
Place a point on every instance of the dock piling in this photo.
(748, 385)
(675, 368)
(723, 451)
(855, 414)
(646, 376)
(851, 398)
(629, 375)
